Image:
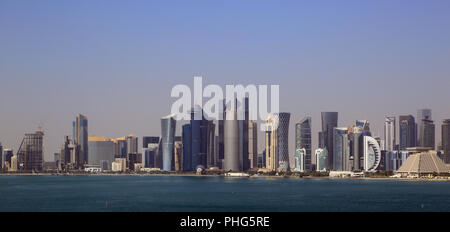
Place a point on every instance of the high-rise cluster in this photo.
(233, 146)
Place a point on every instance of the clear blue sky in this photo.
(116, 61)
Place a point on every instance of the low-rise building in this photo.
(119, 165)
(423, 164)
(138, 167)
(92, 168)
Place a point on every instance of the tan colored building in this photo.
(178, 153)
(423, 164)
(13, 166)
(272, 143)
(138, 167)
(119, 165)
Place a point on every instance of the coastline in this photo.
(223, 176)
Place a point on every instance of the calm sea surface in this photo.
(175, 193)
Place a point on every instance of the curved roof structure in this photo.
(425, 162)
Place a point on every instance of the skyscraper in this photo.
(272, 148)
(340, 151)
(426, 134)
(120, 150)
(231, 142)
(149, 150)
(253, 144)
(221, 132)
(30, 153)
(299, 159)
(101, 152)
(355, 134)
(186, 135)
(329, 122)
(2, 159)
(199, 129)
(80, 137)
(372, 154)
(303, 139)
(210, 154)
(446, 140)
(243, 135)
(389, 133)
(407, 128)
(321, 159)
(132, 144)
(421, 115)
(149, 140)
(168, 124)
(283, 140)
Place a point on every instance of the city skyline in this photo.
(437, 125)
(59, 61)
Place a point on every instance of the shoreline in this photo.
(211, 175)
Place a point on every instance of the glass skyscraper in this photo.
(426, 134)
(199, 129)
(101, 152)
(283, 140)
(407, 128)
(132, 144)
(303, 139)
(329, 122)
(299, 159)
(422, 114)
(446, 140)
(149, 150)
(168, 124)
(321, 159)
(186, 135)
(340, 150)
(211, 153)
(80, 137)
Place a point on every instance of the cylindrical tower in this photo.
(283, 140)
(167, 141)
(231, 142)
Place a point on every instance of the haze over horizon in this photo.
(116, 62)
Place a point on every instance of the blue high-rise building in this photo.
(168, 124)
(329, 122)
(340, 149)
(187, 147)
(422, 114)
(80, 137)
(303, 139)
(196, 137)
(408, 131)
(200, 135)
(150, 150)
